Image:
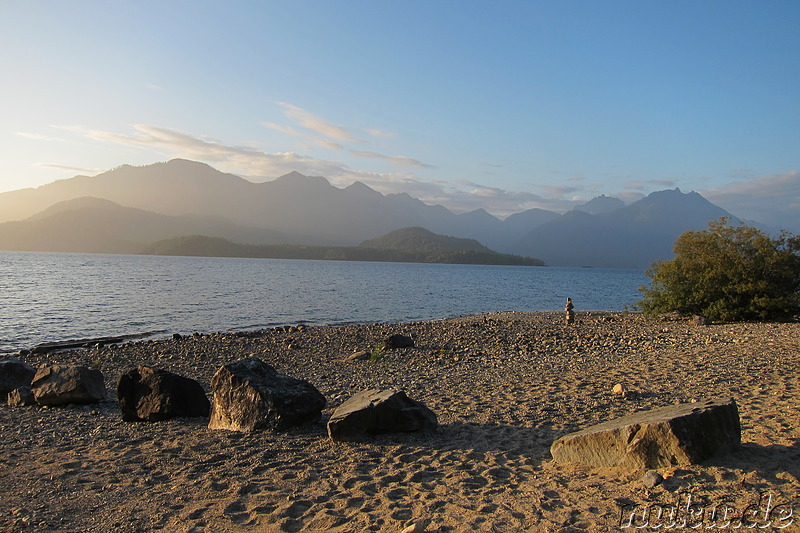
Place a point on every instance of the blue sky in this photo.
(505, 105)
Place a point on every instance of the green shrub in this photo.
(727, 273)
(378, 351)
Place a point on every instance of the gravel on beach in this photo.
(503, 385)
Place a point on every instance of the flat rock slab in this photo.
(676, 435)
(373, 411)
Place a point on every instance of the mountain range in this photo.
(128, 208)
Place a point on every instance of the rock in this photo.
(375, 411)
(417, 527)
(21, 397)
(618, 389)
(249, 395)
(149, 395)
(13, 375)
(398, 341)
(62, 385)
(651, 479)
(680, 434)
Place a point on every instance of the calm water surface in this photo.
(48, 297)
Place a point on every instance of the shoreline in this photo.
(504, 386)
(53, 346)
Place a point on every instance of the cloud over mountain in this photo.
(316, 146)
(772, 200)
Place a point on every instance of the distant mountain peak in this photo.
(359, 186)
(601, 204)
(295, 177)
(416, 238)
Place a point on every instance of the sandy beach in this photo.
(503, 385)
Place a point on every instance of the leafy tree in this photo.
(727, 273)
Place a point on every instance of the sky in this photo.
(502, 105)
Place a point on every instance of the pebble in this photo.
(417, 527)
(651, 479)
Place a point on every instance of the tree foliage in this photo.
(728, 272)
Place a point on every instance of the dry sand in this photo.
(503, 385)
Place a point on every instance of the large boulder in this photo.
(149, 395)
(249, 395)
(372, 412)
(13, 375)
(676, 435)
(62, 385)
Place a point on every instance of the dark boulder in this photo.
(398, 341)
(149, 395)
(676, 435)
(13, 375)
(62, 385)
(374, 412)
(250, 395)
(21, 397)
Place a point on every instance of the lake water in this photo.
(47, 297)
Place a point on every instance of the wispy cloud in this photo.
(559, 191)
(772, 199)
(642, 185)
(286, 130)
(398, 160)
(87, 171)
(35, 136)
(318, 125)
(244, 160)
(333, 137)
(328, 144)
(258, 165)
(380, 134)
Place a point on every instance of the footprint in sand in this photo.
(425, 476)
(197, 513)
(267, 508)
(397, 494)
(402, 514)
(298, 509)
(236, 512)
(392, 478)
(353, 481)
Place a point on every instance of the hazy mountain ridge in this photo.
(200, 245)
(96, 225)
(632, 236)
(180, 198)
(421, 240)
